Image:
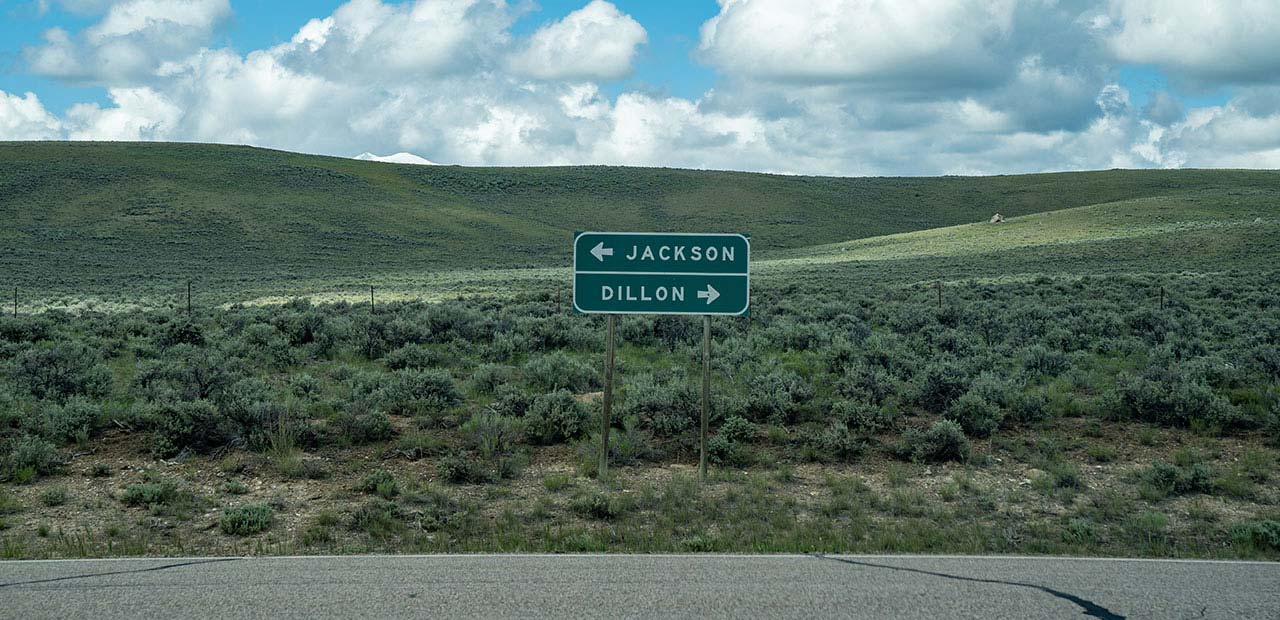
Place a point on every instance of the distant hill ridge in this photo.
(104, 215)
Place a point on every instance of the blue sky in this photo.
(665, 66)
(792, 86)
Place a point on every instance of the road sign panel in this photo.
(661, 253)
(661, 273)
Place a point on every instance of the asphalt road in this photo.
(525, 586)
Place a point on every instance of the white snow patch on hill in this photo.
(398, 158)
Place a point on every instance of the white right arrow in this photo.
(600, 251)
(711, 294)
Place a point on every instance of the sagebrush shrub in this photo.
(487, 378)
(153, 491)
(1027, 408)
(558, 371)
(941, 384)
(191, 425)
(25, 328)
(1170, 397)
(777, 397)
(459, 468)
(246, 520)
(263, 344)
(1163, 479)
(738, 429)
(944, 441)
(864, 382)
(832, 443)
(596, 505)
(361, 427)
(306, 386)
(26, 457)
(492, 435)
(413, 392)
(665, 406)
(1041, 361)
(180, 332)
(626, 447)
(60, 371)
(555, 418)
(413, 357)
(254, 410)
(379, 518)
(380, 482)
(975, 415)
(189, 373)
(75, 420)
(1260, 534)
(864, 419)
(511, 401)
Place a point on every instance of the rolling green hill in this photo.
(137, 219)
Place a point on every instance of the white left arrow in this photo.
(600, 251)
(711, 294)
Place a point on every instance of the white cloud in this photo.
(140, 16)
(130, 41)
(24, 118)
(138, 114)
(1163, 109)
(1218, 41)
(374, 40)
(595, 42)
(848, 87)
(882, 41)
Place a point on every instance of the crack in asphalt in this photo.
(1090, 608)
(117, 572)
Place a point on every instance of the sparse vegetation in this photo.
(1051, 403)
(246, 520)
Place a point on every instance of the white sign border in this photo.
(746, 275)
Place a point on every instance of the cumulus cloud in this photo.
(1222, 41)
(371, 39)
(595, 42)
(130, 41)
(137, 114)
(808, 86)
(881, 41)
(25, 118)
(1163, 109)
(1232, 135)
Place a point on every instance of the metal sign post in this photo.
(608, 394)
(660, 273)
(706, 396)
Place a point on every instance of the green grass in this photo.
(117, 224)
(1053, 319)
(1127, 220)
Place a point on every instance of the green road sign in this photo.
(661, 273)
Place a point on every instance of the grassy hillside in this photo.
(138, 219)
(1126, 220)
(1097, 376)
